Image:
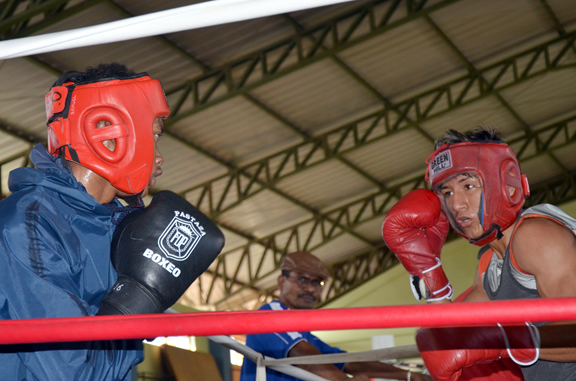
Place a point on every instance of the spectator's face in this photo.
(300, 290)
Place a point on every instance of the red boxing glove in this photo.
(415, 229)
(447, 352)
(503, 370)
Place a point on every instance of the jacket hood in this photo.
(51, 174)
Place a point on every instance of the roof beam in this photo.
(502, 101)
(364, 83)
(12, 23)
(477, 85)
(312, 234)
(509, 72)
(411, 7)
(20, 133)
(303, 49)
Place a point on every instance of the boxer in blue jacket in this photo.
(59, 222)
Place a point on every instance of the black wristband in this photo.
(129, 297)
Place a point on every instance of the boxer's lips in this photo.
(153, 178)
(464, 222)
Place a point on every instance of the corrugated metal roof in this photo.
(303, 95)
(386, 159)
(488, 111)
(323, 185)
(543, 98)
(540, 168)
(484, 28)
(237, 131)
(310, 151)
(23, 104)
(402, 59)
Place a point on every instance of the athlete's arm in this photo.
(547, 250)
(376, 369)
(478, 294)
(328, 371)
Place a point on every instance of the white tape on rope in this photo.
(260, 364)
(195, 16)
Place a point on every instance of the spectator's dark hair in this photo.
(478, 134)
(94, 74)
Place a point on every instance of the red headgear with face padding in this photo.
(498, 169)
(73, 110)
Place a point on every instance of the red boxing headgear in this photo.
(130, 104)
(498, 168)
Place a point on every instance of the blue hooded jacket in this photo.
(55, 262)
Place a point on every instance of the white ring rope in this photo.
(263, 361)
(194, 16)
(284, 365)
(407, 351)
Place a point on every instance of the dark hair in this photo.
(109, 70)
(478, 134)
(104, 71)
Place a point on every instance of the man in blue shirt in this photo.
(301, 284)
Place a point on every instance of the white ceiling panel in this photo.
(264, 214)
(302, 95)
(394, 62)
(183, 167)
(566, 156)
(237, 130)
(540, 169)
(152, 55)
(490, 27)
(544, 97)
(564, 11)
(487, 111)
(216, 45)
(22, 103)
(323, 184)
(5, 170)
(339, 248)
(11, 146)
(371, 229)
(387, 160)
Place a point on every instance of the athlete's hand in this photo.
(415, 229)
(447, 352)
(420, 377)
(158, 252)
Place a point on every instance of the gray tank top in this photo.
(503, 282)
